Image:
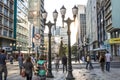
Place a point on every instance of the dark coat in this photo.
(64, 60)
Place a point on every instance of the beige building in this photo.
(36, 7)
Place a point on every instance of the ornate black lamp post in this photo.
(12, 45)
(29, 48)
(49, 24)
(19, 48)
(69, 21)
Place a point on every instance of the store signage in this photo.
(114, 40)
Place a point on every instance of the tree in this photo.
(74, 50)
(62, 49)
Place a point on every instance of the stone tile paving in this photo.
(97, 74)
(79, 74)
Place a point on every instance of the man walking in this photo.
(3, 67)
(20, 62)
(108, 59)
(64, 62)
(88, 60)
(57, 59)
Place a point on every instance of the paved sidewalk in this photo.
(79, 74)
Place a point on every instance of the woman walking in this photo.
(57, 59)
(28, 66)
(102, 61)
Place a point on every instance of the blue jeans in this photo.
(90, 65)
(108, 66)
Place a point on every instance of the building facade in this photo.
(7, 28)
(81, 31)
(102, 34)
(36, 7)
(112, 17)
(21, 23)
(91, 25)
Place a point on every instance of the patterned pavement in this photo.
(79, 74)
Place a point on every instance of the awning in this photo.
(98, 49)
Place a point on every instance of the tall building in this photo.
(21, 23)
(91, 24)
(63, 34)
(81, 25)
(112, 25)
(102, 35)
(7, 28)
(81, 31)
(36, 7)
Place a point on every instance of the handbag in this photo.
(23, 73)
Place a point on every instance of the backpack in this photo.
(88, 58)
(41, 67)
(102, 59)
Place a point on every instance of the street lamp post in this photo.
(29, 48)
(12, 45)
(87, 45)
(49, 24)
(69, 21)
(19, 48)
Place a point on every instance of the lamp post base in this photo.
(49, 75)
(70, 76)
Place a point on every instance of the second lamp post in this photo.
(69, 21)
(49, 24)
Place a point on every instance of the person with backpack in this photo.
(64, 62)
(102, 61)
(41, 68)
(88, 60)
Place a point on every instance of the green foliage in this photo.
(74, 50)
(62, 49)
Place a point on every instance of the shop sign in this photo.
(114, 40)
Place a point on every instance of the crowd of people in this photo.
(30, 65)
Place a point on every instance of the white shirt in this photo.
(108, 56)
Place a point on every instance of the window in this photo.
(5, 32)
(5, 11)
(10, 24)
(5, 22)
(0, 19)
(10, 34)
(11, 5)
(11, 15)
(0, 30)
(0, 9)
(5, 2)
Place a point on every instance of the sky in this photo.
(51, 5)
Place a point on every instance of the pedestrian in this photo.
(57, 59)
(64, 62)
(11, 59)
(88, 60)
(28, 67)
(20, 62)
(83, 59)
(108, 60)
(41, 70)
(32, 59)
(102, 61)
(3, 67)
